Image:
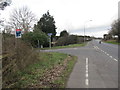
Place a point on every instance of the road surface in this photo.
(97, 66)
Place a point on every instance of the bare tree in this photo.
(8, 29)
(4, 3)
(115, 28)
(22, 18)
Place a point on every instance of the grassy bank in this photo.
(67, 46)
(52, 70)
(112, 42)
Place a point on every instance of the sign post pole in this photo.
(17, 35)
(49, 34)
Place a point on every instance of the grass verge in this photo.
(112, 42)
(67, 46)
(52, 70)
(62, 81)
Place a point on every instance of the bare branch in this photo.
(22, 18)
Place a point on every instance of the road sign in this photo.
(49, 34)
(18, 33)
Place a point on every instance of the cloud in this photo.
(93, 31)
(72, 14)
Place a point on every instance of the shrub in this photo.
(71, 39)
(17, 55)
(33, 37)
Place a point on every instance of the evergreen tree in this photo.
(47, 24)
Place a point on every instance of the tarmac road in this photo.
(97, 66)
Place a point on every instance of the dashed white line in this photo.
(86, 74)
(75, 48)
(106, 54)
(115, 59)
(86, 71)
(111, 56)
(86, 80)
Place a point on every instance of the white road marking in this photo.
(108, 54)
(75, 48)
(115, 59)
(86, 74)
(86, 80)
(111, 56)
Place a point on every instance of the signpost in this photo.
(18, 33)
(49, 34)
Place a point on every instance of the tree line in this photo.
(37, 34)
(114, 32)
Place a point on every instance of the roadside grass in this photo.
(112, 42)
(62, 81)
(67, 46)
(31, 75)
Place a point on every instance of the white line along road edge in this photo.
(86, 80)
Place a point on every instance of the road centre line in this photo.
(115, 59)
(87, 75)
(86, 80)
(107, 54)
(111, 56)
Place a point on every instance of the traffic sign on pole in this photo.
(18, 33)
(49, 34)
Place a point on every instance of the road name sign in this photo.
(18, 33)
(49, 34)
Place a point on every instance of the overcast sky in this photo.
(73, 15)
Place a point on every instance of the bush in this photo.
(17, 55)
(71, 39)
(33, 37)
